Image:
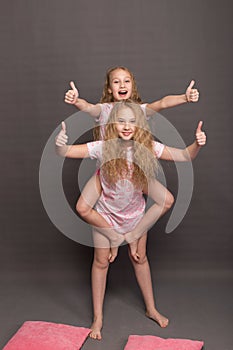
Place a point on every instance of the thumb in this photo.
(72, 85)
(199, 126)
(63, 126)
(191, 84)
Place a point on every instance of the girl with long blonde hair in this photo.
(120, 85)
(128, 161)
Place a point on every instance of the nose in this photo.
(126, 126)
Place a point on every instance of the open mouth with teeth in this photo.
(122, 92)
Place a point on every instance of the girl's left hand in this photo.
(200, 135)
(192, 95)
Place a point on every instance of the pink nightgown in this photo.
(122, 205)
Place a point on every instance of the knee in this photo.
(169, 200)
(82, 208)
(101, 263)
(141, 260)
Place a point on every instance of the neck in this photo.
(126, 143)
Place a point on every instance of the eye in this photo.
(115, 82)
(121, 121)
(133, 121)
(128, 81)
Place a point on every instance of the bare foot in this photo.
(133, 250)
(96, 330)
(113, 254)
(133, 245)
(157, 317)
(115, 243)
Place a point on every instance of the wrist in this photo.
(76, 103)
(61, 150)
(185, 98)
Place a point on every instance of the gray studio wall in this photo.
(45, 44)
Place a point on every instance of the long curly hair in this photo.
(143, 165)
(108, 97)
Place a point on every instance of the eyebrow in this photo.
(127, 77)
(130, 120)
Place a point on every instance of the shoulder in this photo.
(143, 107)
(158, 148)
(107, 106)
(95, 148)
(105, 109)
(148, 112)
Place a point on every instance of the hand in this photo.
(61, 139)
(192, 95)
(200, 135)
(71, 95)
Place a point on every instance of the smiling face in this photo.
(125, 124)
(120, 85)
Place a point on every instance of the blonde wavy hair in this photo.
(108, 97)
(115, 165)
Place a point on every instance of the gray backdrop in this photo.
(44, 45)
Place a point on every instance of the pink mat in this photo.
(38, 335)
(149, 342)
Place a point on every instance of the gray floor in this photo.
(198, 302)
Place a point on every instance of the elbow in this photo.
(188, 156)
(191, 157)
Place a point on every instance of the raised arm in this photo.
(69, 151)
(190, 95)
(72, 97)
(190, 152)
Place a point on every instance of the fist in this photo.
(61, 139)
(192, 95)
(71, 95)
(200, 135)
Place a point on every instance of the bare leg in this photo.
(163, 201)
(84, 207)
(143, 276)
(99, 275)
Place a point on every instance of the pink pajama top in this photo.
(121, 204)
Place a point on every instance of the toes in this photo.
(111, 258)
(95, 335)
(136, 257)
(113, 254)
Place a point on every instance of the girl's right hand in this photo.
(200, 135)
(61, 139)
(71, 95)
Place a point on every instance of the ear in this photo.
(109, 91)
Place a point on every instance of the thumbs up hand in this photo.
(192, 95)
(71, 95)
(61, 139)
(200, 135)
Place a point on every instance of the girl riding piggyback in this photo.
(120, 85)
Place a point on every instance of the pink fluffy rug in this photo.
(149, 342)
(38, 335)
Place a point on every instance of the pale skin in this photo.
(121, 87)
(120, 81)
(137, 250)
(163, 199)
